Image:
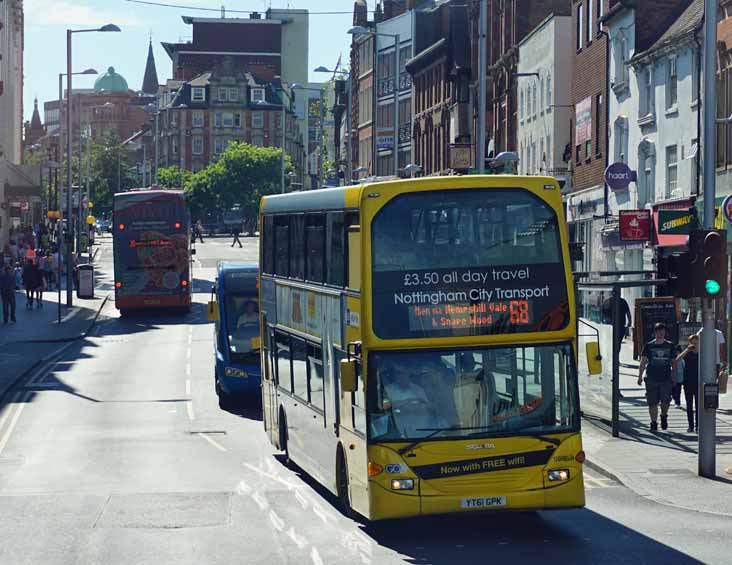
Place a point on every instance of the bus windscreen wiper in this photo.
(435, 431)
(512, 433)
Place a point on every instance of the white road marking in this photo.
(315, 556)
(300, 541)
(188, 355)
(288, 484)
(258, 497)
(190, 339)
(189, 409)
(188, 370)
(216, 444)
(188, 387)
(18, 411)
(277, 522)
(243, 488)
(300, 497)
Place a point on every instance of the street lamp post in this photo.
(349, 159)
(69, 148)
(359, 30)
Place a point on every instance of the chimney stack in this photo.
(360, 13)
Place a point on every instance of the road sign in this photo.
(727, 208)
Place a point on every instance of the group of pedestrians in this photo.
(29, 261)
(669, 369)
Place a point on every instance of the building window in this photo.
(580, 27)
(695, 76)
(197, 119)
(257, 94)
(672, 166)
(228, 119)
(174, 146)
(533, 100)
(541, 155)
(222, 93)
(621, 140)
(198, 94)
(621, 59)
(548, 91)
(588, 149)
(174, 119)
(257, 140)
(237, 120)
(521, 106)
(599, 15)
(197, 145)
(217, 119)
(366, 56)
(589, 22)
(647, 103)
(548, 156)
(541, 95)
(233, 94)
(672, 85)
(257, 120)
(599, 120)
(218, 145)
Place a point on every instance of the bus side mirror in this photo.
(594, 359)
(348, 375)
(213, 311)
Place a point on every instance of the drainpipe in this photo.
(698, 109)
(606, 95)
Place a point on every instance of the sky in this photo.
(46, 22)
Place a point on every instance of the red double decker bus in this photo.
(152, 250)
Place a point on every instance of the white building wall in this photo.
(295, 36)
(544, 112)
(11, 100)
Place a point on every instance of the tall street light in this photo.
(59, 222)
(362, 31)
(69, 149)
(321, 92)
(349, 160)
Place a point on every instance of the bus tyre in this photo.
(224, 399)
(283, 440)
(124, 313)
(342, 485)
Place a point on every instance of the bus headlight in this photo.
(402, 484)
(558, 475)
(234, 372)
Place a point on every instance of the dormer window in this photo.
(257, 94)
(198, 94)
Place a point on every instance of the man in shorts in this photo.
(658, 360)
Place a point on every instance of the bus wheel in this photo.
(342, 485)
(124, 313)
(283, 440)
(224, 399)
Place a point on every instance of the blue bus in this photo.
(234, 307)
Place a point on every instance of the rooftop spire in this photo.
(36, 119)
(150, 81)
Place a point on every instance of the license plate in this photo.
(483, 502)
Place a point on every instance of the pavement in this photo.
(661, 466)
(38, 336)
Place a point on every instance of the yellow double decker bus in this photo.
(419, 344)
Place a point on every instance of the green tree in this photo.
(241, 176)
(174, 177)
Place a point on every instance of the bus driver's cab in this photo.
(234, 309)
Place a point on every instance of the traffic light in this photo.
(714, 252)
(708, 266)
(679, 275)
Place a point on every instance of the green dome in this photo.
(111, 81)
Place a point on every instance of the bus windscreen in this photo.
(467, 262)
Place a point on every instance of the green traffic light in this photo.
(712, 287)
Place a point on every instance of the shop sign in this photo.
(635, 225)
(675, 222)
(618, 176)
(727, 208)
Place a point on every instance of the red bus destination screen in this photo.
(477, 301)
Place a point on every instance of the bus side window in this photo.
(284, 362)
(335, 249)
(268, 246)
(314, 247)
(282, 245)
(297, 246)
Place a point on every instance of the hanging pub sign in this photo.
(635, 225)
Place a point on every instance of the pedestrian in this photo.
(236, 230)
(18, 275)
(30, 281)
(199, 232)
(7, 293)
(690, 357)
(658, 360)
(719, 352)
(47, 270)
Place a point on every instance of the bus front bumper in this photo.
(387, 504)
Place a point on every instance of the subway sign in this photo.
(675, 222)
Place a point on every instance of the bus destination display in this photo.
(470, 301)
